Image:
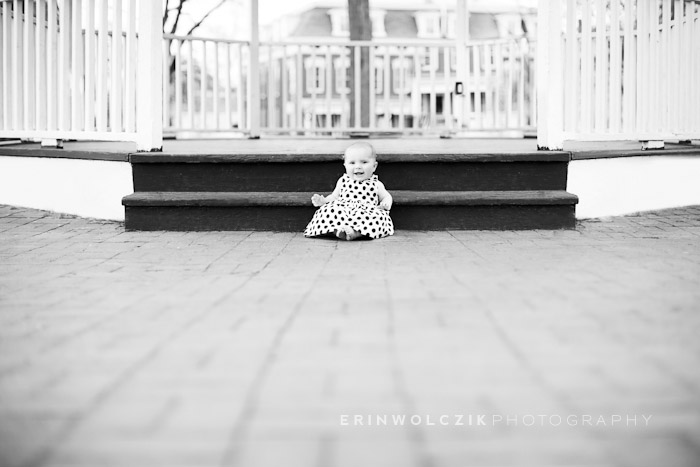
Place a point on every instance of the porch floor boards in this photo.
(404, 145)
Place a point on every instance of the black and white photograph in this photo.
(349, 233)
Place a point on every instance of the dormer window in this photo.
(428, 23)
(377, 19)
(340, 22)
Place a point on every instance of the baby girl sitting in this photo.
(359, 206)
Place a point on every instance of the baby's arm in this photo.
(385, 199)
(319, 200)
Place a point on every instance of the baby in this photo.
(359, 206)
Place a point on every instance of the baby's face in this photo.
(359, 163)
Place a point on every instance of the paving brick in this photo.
(245, 348)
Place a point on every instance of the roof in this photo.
(316, 22)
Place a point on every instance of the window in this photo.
(428, 23)
(341, 65)
(429, 59)
(402, 75)
(315, 75)
(451, 30)
(378, 75)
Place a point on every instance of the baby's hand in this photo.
(318, 200)
(386, 204)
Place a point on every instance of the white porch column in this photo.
(550, 86)
(254, 74)
(149, 106)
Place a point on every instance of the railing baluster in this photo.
(89, 101)
(571, 66)
(522, 106)
(28, 95)
(629, 70)
(491, 84)
(432, 51)
(229, 89)
(178, 45)
(64, 120)
(240, 96)
(615, 70)
(39, 66)
(215, 96)
(655, 75)
(115, 111)
(299, 91)
(77, 71)
(165, 66)
(372, 89)
(666, 80)
(446, 104)
(18, 77)
(401, 70)
(676, 96)
(5, 76)
(271, 122)
(190, 84)
(586, 69)
(357, 90)
(387, 88)
(509, 86)
(130, 70)
(416, 97)
(641, 47)
(478, 112)
(312, 72)
(329, 87)
(601, 65)
(102, 58)
(203, 87)
(285, 88)
(498, 80)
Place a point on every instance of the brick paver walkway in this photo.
(252, 349)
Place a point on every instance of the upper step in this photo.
(319, 172)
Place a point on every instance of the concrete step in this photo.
(319, 172)
(291, 211)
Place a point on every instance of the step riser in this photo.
(295, 219)
(321, 177)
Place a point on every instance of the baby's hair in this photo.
(364, 146)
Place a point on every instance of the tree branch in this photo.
(205, 17)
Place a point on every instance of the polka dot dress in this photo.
(357, 207)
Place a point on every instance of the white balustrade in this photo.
(70, 69)
(305, 87)
(630, 70)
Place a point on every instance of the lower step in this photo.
(291, 211)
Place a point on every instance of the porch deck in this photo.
(322, 146)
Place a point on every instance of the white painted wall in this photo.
(85, 188)
(625, 185)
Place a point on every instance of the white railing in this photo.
(306, 87)
(69, 70)
(625, 69)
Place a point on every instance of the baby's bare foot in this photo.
(352, 234)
